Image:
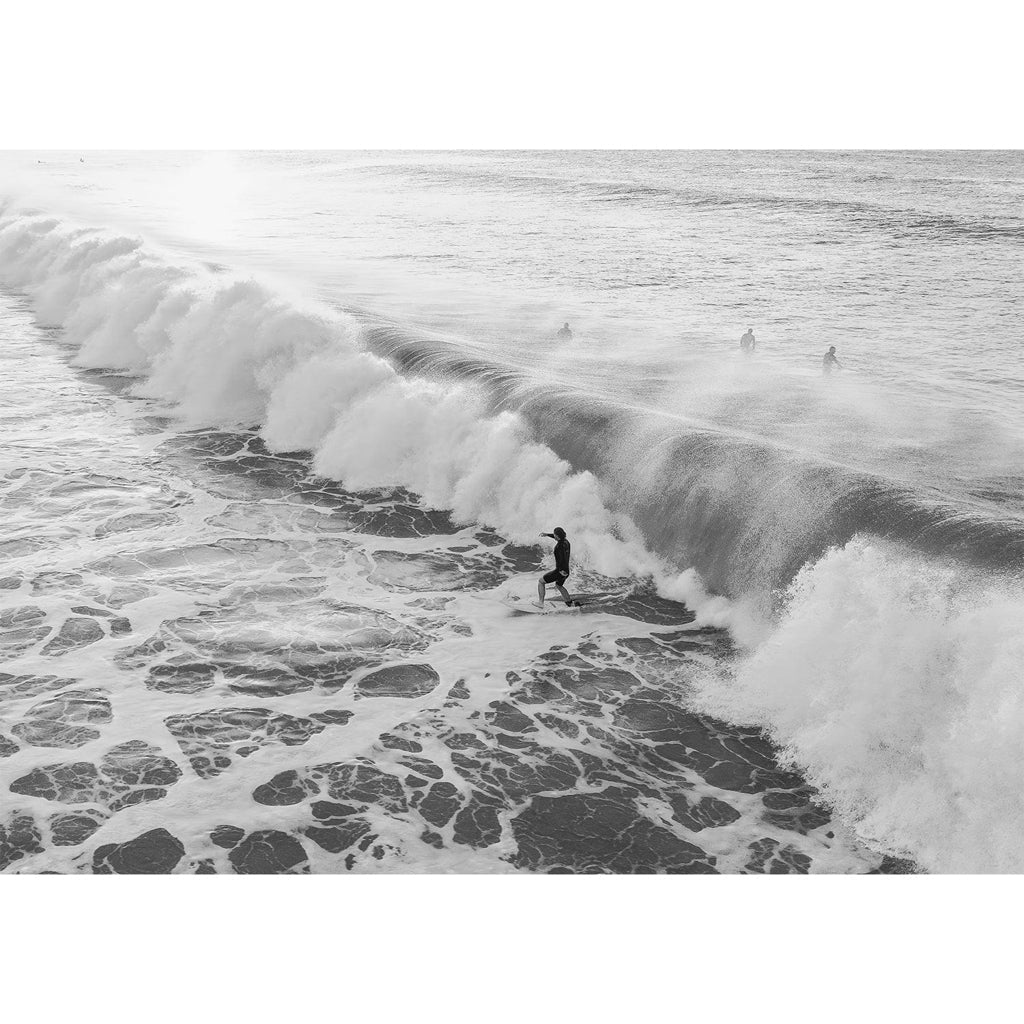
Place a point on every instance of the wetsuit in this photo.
(560, 573)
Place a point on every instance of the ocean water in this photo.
(281, 429)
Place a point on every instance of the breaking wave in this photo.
(895, 683)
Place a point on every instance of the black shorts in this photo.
(556, 576)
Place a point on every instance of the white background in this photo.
(445, 74)
(455, 73)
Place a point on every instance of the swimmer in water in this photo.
(829, 362)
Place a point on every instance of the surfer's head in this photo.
(832, 348)
(559, 533)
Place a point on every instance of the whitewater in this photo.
(318, 404)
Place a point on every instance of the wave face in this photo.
(747, 511)
(879, 619)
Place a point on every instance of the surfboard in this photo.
(528, 603)
(580, 602)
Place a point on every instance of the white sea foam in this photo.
(895, 684)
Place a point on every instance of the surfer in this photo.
(560, 573)
(829, 362)
(565, 334)
(747, 342)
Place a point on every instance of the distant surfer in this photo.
(560, 573)
(829, 361)
(747, 342)
(565, 334)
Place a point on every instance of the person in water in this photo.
(565, 334)
(829, 362)
(747, 342)
(560, 573)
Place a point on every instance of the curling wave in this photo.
(746, 512)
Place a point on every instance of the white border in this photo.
(509, 949)
(224, 74)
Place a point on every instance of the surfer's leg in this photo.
(564, 593)
(549, 577)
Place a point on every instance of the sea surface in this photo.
(279, 433)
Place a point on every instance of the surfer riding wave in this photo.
(560, 573)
